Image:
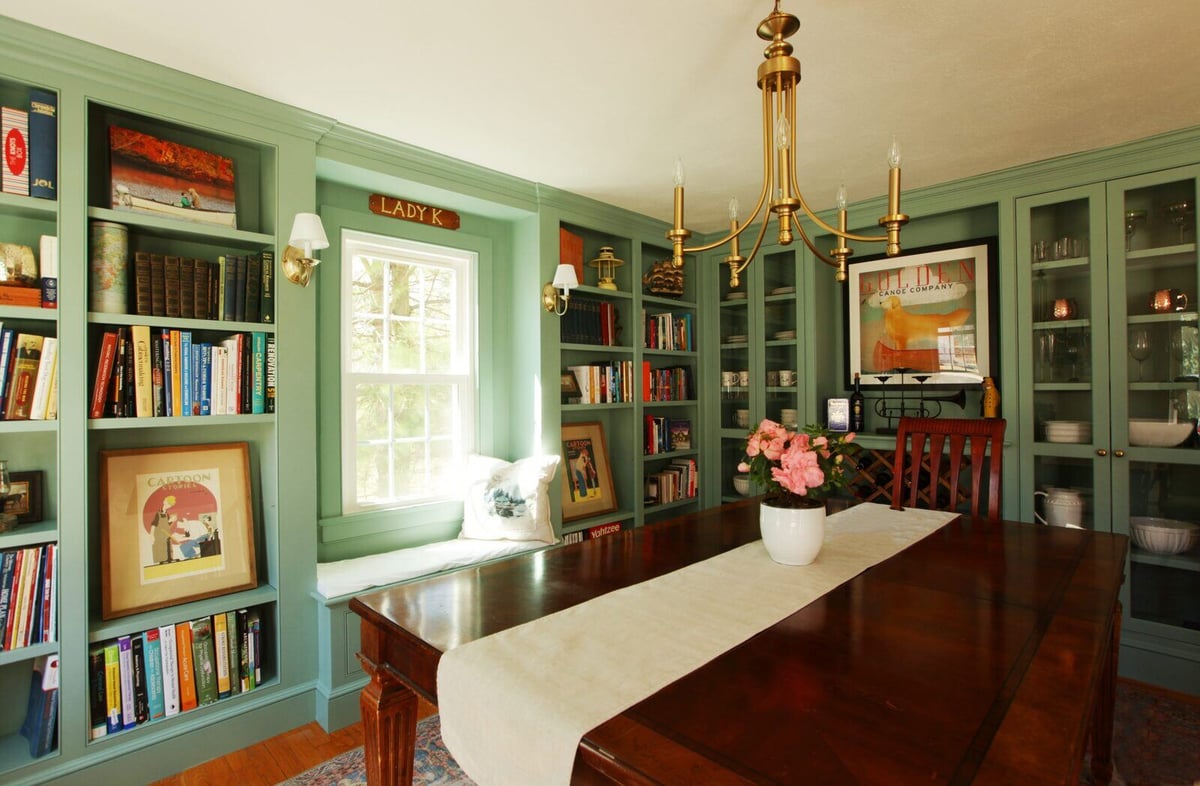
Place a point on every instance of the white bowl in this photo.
(1158, 433)
(741, 484)
(1164, 536)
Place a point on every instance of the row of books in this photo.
(233, 288)
(28, 376)
(590, 321)
(666, 384)
(28, 596)
(30, 134)
(668, 331)
(40, 727)
(591, 533)
(160, 372)
(663, 434)
(604, 383)
(171, 669)
(678, 480)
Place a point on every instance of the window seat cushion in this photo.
(374, 570)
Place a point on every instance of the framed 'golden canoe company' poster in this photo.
(926, 316)
(176, 525)
(588, 485)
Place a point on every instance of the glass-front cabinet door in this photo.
(1156, 482)
(1064, 274)
(1109, 274)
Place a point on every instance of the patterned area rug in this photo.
(1156, 741)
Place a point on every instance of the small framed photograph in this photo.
(176, 525)
(25, 496)
(588, 486)
(569, 388)
(929, 313)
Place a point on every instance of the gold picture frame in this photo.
(587, 488)
(176, 525)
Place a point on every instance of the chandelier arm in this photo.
(828, 227)
(758, 241)
(808, 242)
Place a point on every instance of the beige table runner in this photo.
(515, 705)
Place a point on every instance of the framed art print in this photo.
(176, 525)
(588, 485)
(930, 313)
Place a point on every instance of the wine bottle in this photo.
(858, 407)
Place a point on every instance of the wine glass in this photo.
(1181, 213)
(1132, 219)
(1139, 346)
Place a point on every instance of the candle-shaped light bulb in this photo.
(841, 197)
(733, 209)
(782, 132)
(679, 174)
(894, 154)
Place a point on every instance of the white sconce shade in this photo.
(308, 235)
(559, 290)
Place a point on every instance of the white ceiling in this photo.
(599, 98)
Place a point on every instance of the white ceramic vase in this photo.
(792, 536)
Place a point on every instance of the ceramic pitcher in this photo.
(1063, 508)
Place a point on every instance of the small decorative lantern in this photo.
(606, 264)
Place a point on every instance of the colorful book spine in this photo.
(27, 356)
(7, 338)
(253, 289)
(170, 670)
(112, 687)
(204, 658)
(44, 379)
(176, 374)
(234, 646)
(268, 286)
(164, 338)
(7, 561)
(221, 642)
(43, 144)
(258, 373)
(269, 388)
(97, 693)
(14, 130)
(205, 376)
(185, 372)
(152, 646)
(125, 664)
(143, 371)
(141, 698)
(187, 673)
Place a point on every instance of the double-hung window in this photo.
(408, 370)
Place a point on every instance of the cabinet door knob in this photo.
(1101, 452)
(1119, 453)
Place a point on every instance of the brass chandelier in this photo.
(778, 76)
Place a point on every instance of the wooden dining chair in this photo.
(918, 475)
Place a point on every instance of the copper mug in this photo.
(1165, 300)
(1064, 308)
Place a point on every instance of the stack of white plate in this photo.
(1068, 431)
(783, 335)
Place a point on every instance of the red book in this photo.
(645, 380)
(104, 367)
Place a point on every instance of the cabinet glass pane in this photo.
(1063, 321)
(1164, 586)
(1160, 290)
(1064, 492)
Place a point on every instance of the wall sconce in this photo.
(308, 235)
(564, 281)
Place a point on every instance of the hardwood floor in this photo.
(278, 758)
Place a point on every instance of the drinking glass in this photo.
(1139, 347)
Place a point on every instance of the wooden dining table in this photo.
(984, 653)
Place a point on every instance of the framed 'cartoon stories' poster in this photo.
(928, 313)
(588, 485)
(176, 525)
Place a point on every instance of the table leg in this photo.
(1102, 715)
(389, 716)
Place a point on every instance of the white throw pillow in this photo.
(508, 500)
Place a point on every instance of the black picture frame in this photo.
(569, 388)
(948, 295)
